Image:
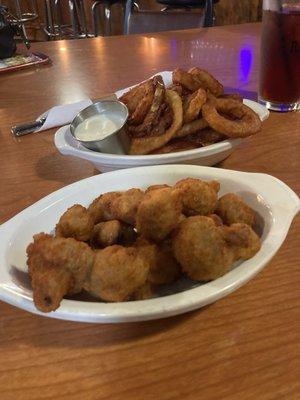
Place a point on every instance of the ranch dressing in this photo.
(97, 127)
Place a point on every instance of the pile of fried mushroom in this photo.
(125, 245)
(192, 112)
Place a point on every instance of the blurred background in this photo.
(44, 20)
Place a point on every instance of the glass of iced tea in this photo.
(279, 86)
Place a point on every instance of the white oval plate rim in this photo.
(180, 302)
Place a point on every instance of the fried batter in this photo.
(106, 233)
(137, 94)
(124, 207)
(232, 96)
(191, 127)
(193, 102)
(206, 137)
(100, 209)
(143, 107)
(217, 220)
(232, 208)
(158, 214)
(230, 117)
(192, 105)
(57, 266)
(242, 239)
(76, 222)
(200, 249)
(164, 269)
(155, 187)
(181, 77)
(146, 144)
(198, 197)
(155, 111)
(118, 272)
(201, 138)
(206, 81)
(143, 293)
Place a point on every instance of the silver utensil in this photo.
(28, 127)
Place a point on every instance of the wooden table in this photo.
(243, 347)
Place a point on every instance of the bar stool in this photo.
(106, 4)
(208, 6)
(169, 18)
(21, 18)
(55, 29)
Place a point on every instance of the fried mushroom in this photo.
(118, 272)
(57, 266)
(199, 247)
(231, 208)
(198, 197)
(76, 222)
(158, 214)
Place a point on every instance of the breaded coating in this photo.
(117, 273)
(200, 249)
(76, 222)
(198, 197)
(164, 269)
(243, 240)
(125, 206)
(106, 233)
(57, 266)
(158, 214)
(233, 209)
(100, 208)
(217, 220)
(112, 232)
(143, 293)
(155, 187)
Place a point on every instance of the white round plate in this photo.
(275, 203)
(104, 162)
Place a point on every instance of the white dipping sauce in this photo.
(98, 127)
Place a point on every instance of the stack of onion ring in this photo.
(166, 119)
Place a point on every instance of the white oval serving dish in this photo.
(275, 203)
(105, 162)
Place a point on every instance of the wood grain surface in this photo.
(243, 347)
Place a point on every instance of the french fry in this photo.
(145, 145)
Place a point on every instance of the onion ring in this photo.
(134, 96)
(145, 145)
(142, 109)
(232, 96)
(246, 124)
(206, 81)
(192, 127)
(193, 105)
(181, 77)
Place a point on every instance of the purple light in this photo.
(246, 58)
(174, 48)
